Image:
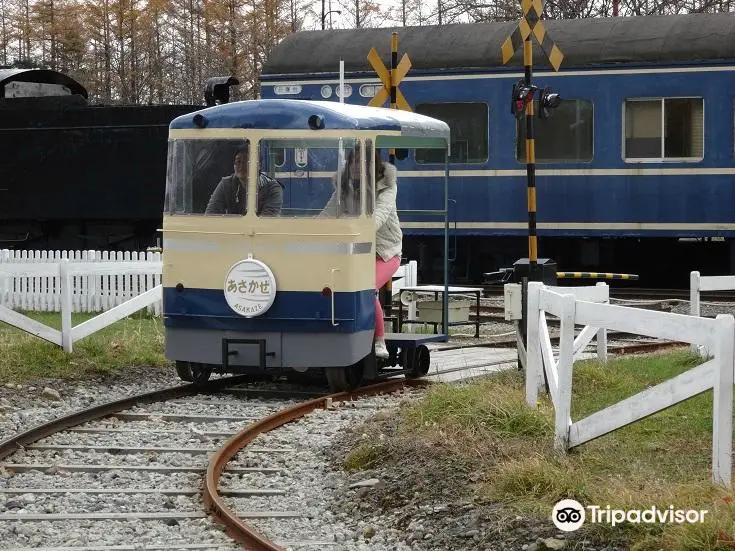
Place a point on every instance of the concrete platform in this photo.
(469, 363)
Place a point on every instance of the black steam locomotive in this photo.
(79, 176)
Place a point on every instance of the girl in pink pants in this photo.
(383, 273)
(388, 235)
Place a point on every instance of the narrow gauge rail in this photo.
(49, 434)
(117, 460)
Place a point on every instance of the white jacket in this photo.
(388, 234)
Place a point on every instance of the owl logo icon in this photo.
(568, 515)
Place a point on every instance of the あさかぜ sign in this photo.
(250, 288)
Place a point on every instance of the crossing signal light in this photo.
(549, 100)
(522, 96)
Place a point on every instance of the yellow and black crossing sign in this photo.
(390, 78)
(532, 24)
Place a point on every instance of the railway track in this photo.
(129, 474)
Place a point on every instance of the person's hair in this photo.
(242, 148)
(345, 183)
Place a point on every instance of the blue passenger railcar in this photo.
(635, 169)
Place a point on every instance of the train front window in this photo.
(318, 177)
(207, 177)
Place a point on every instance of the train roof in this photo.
(290, 114)
(40, 76)
(584, 42)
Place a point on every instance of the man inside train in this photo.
(230, 195)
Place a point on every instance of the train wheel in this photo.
(200, 373)
(183, 370)
(341, 379)
(417, 361)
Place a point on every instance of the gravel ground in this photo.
(312, 486)
(25, 406)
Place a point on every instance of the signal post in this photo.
(522, 105)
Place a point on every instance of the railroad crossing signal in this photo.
(522, 97)
(390, 78)
(532, 24)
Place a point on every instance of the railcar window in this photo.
(469, 124)
(203, 177)
(315, 178)
(664, 128)
(566, 137)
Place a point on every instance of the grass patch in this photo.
(135, 341)
(663, 460)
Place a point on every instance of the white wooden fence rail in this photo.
(717, 335)
(697, 284)
(92, 292)
(66, 271)
(599, 293)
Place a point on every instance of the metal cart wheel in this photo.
(200, 373)
(416, 361)
(341, 379)
(193, 372)
(183, 370)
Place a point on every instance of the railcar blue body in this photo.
(604, 197)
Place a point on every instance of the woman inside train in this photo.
(388, 234)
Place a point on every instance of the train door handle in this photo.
(334, 324)
(455, 231)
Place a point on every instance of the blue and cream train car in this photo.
(635, 169)
(266, 278)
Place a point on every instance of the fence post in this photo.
(602, 331)
(534, 360)
(562, 410)
(695, 284)
(722, 401)
(66, 291)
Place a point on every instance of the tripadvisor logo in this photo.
(568, 515)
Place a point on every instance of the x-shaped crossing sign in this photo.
(531, 23)
(390, 78)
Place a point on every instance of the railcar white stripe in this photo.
(492, 173)
(642, 226)
(514, 75)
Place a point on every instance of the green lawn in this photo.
(134, 341)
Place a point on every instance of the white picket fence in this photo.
(717, 335)
(92, 291)
(66, 271)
